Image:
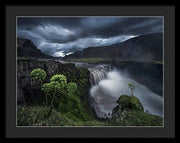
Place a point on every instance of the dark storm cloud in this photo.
(63, 35)
(127, 26)
(36, 21)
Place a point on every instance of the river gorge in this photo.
(108, 83)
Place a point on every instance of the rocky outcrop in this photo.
(130, 112)
(129, 103)
(26, 48)
(25, 82)
(147, 47)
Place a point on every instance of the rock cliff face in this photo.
(26, 48)
(147, 47)
(24, 68)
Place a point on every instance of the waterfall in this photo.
(107, 91)
(98, 73)
(108, 85)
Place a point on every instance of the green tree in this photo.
(71, 88)
(132, 87)
(56, 86)
(47, 90)
(39, 75)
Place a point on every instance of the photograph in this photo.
(89, 71)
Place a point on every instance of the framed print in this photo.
(84, 80)
(90, 71)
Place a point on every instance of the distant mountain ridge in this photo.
(26, 48)
(147, 47)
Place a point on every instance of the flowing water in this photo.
(108, 90)
(97, 72)
(108, 85)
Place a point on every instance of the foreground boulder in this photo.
(130, 103)
(130, 112)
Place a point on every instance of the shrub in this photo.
(55, 87)
(51, 88)
(39, 75)
(61, 79)
(71, 88)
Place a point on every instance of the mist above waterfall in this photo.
(115, 84)
(107, 85)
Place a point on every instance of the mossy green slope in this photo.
(37, 116)
(130, 112)
(74, 106)
(135, 118)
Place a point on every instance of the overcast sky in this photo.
(58, 36)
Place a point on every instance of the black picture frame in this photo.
(10, 11)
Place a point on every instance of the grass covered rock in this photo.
(130, 112)
(130, 103)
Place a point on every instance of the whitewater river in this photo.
(107, 85)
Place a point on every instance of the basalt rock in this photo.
(26, 48)
(27, 87)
